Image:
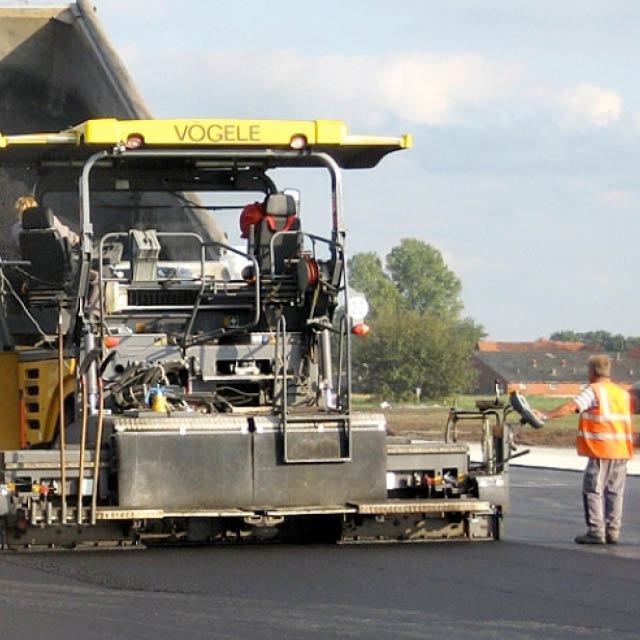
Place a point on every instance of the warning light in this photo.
(110, 342)
(361, 329)
(298, 141)
(134, 141)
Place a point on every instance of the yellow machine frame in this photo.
(29, 396)
(209, 132)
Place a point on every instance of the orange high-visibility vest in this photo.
(607, 430)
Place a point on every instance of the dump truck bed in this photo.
(58, 68)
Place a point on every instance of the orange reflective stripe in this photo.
(607, 430)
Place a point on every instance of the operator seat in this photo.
(280, 215)
(50, 280)
(42, 244)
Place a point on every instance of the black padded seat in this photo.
(42, 245)
(280, 215)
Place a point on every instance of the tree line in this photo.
(608, 341)
(419, 339)
(419, 342)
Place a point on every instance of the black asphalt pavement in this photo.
(536, 583)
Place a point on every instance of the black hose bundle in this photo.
(131, 389)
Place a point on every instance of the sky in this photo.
(525, 118)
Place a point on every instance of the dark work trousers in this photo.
(603, 494)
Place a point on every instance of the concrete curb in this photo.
(553, 458)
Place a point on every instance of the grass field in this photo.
(429, 420)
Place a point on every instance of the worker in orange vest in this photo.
(605, 436)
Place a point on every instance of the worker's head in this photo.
(23, 203)
(251, 215)
(599, 366)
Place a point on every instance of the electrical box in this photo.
(145, 249)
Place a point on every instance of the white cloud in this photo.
(431, 89)
(588, 106)
(593, 197)
(620, 199)
(602, 198)
(416, 87)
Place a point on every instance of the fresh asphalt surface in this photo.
(534, 584)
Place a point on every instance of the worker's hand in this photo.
(541, 415)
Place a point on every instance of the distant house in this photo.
(545, 367)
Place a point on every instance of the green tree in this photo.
(633, 342)
(367, 276)
(423, 279)
(565, 336)
(410, 350)
(416, 279)
(606, 340)
(418, 338)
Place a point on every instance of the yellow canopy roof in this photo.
(330, 136)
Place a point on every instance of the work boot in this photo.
(589, 538)
(612, 538)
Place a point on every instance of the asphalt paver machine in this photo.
(161, 384)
